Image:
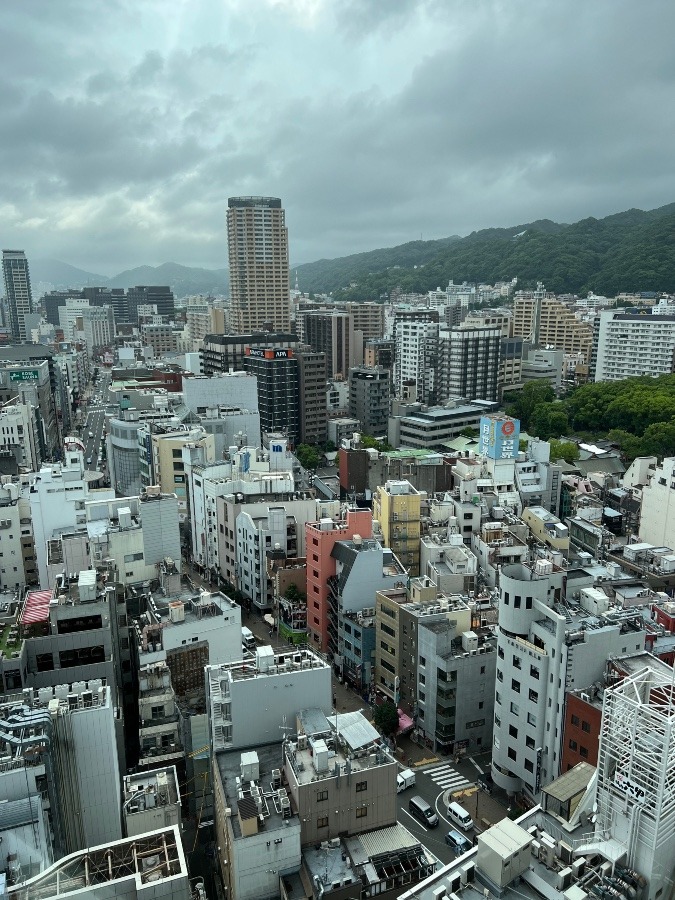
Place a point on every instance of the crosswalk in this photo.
(447, 778)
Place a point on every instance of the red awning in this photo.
(36, 607)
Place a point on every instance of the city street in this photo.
(94, 423)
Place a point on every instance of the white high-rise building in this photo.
(416, 359)
(632, 344)
(547, 645)
(657, 516)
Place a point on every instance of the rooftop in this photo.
(239, 775)
(144, 790)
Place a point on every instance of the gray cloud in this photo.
(125, 129)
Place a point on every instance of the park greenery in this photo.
(636, 414)
(630, 251)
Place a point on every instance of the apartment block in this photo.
(545, 321)
(469, 361)
(332, 332)
(633, 343)
(446, 561)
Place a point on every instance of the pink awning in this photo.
(405, 723)
(36, 607)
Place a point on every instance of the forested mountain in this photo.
(629, 251)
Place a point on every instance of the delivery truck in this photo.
(405, 779)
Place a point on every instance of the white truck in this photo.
(404, 780)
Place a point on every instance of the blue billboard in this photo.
(499, 437)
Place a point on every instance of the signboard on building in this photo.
(628, 787)
(24, 375)
(268, 354)
(499, 437)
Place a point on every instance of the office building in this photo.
(62, 745)
(359, 782)
(28, 372)
(380, 353)
(159, 296)
(99, 327)
(419, 428)
(227, 352)
(161, 457)
(312, 395)
(634, 343)
(276, 684)
(332, 332)
(369, 392)
(17, 291)
(161, 336)
(257, 240)
(278, 389)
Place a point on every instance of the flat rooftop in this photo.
(238, 793)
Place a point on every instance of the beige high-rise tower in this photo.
(257, 240)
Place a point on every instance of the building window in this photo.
(534, 672)
(515, 685)
(361, 812)
(529, 765)
(361, 786)
(322, 822)
(515, 709)
(575, 720)
(586, 726)
(573, 745)
(512, 754)
(321, 795)
(583, 752)
(513, 731)
(529, 742)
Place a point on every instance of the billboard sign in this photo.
(24, 375)
(499, 437)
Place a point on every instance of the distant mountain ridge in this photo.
(628, 251)
(633, 250)
(183, 280)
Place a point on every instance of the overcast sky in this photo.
(126, 124)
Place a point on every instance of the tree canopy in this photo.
(385, 718)
(308, 456)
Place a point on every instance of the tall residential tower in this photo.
(257, 240)
(17, 291)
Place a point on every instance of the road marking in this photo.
(447, 778)
(474, 763)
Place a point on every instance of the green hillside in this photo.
(629, 251)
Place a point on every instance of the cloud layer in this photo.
(127, 124)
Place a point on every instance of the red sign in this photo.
(508, 428)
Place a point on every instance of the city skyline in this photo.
(375, 123)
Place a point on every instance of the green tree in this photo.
(469, 432)
(566, 450)
(308, 456)
(294, 593)
(385, 718)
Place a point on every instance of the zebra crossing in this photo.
(447, 778)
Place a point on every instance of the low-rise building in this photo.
(547, 528)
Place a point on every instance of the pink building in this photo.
(320, 538)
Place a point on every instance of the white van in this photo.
(248, 641)
(460, 816)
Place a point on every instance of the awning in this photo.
(405, 723)
(269, 619)
(36, 607)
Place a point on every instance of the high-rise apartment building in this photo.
(634, 343)
(397, 507)
(550, 322)
(99, 327)
(257, 240)
(17, 291)
(469, 363)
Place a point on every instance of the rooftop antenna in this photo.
(283, 728)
